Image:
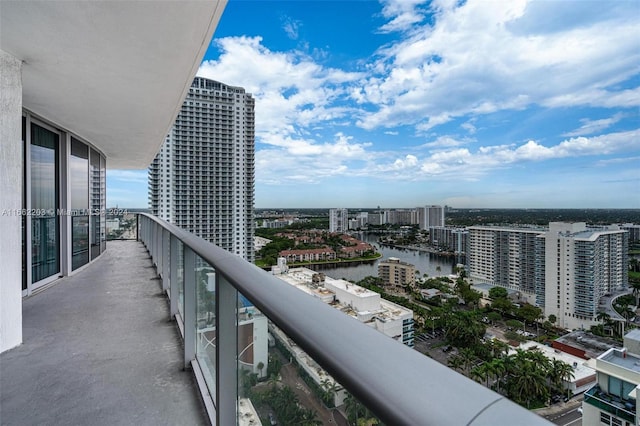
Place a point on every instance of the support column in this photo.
(11, 189)
(226, 352)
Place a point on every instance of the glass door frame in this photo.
(59, 168)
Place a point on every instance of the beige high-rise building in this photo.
(564, 269)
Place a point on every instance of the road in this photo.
(569, 417)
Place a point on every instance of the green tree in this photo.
(494, 317)
(456, 362)
(635, 285)
(559, 372)
(498, 293)
(464, 329)
(503, 305)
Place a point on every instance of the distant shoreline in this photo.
(334, 263)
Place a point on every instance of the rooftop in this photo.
(622, 358)
(301, 278)
(581, 368)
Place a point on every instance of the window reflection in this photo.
(45, 240)
(79, 183)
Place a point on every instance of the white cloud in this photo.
(462, 163)
(469, 127)
(291, 27)
(286, 157)
(445, 141)
(292, 92)
(594, 126)
(480, 57)
(402, 15)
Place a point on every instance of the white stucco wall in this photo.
(10, 202)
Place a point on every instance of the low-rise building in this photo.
(260, 242)
(361, 304)
(358, 302)
(583, 344)
(584, 375)
(308, 255)
(397, 273)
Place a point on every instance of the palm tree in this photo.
(330, 387)
(468, 358)
(309, 417)
(635, 285)
(478, 374)
(455, 362)
(529, 384)
(603, 316)
(561, 372)
(499, 369)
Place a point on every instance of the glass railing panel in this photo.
(120, 224)
(206, 321)
(610, 404)
(279, 383)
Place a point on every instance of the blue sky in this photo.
(402, 103)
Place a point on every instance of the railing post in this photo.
(165, 259)
(152, 241)
(174, 292)
(189, 306)
(143, 229)
(137, 227)
(158, 254)
(226, 352)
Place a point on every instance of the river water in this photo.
(432, 264)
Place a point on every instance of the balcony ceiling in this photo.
(113, 72)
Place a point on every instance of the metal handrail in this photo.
(398, 384)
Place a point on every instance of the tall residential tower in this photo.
(429, 216)
(564, 269)
(202, 180)
(338, 220)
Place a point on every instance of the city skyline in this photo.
(400, 104)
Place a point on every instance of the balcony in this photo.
(611, 404)
(100, 349)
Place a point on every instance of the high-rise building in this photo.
(449, 238)
(338, 220)
(580, 266)
(202, 180)
(564, 269)
(503, 257)
(429, 216)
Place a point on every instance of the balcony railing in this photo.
(222, 303)
(611, 404)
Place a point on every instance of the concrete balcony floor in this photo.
(99, 349)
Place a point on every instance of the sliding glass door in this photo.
(79, 182)
(45, 193)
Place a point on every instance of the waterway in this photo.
(432, 264)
